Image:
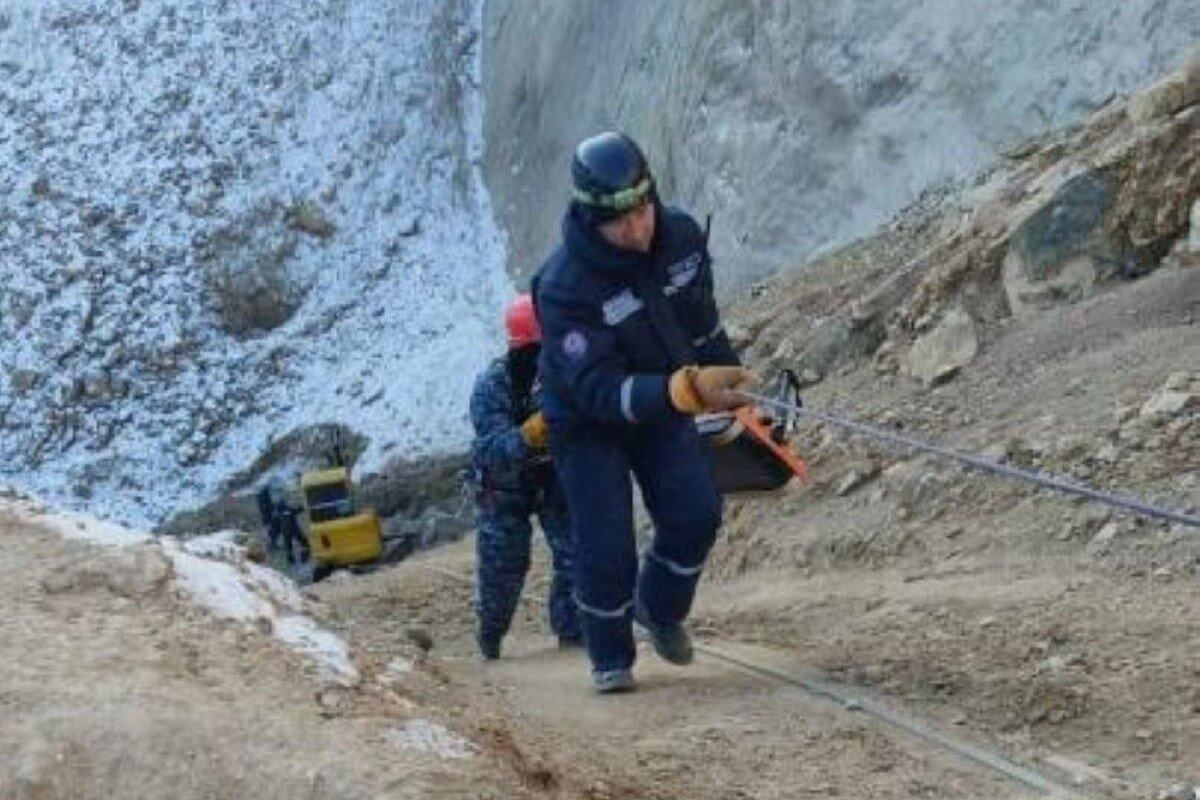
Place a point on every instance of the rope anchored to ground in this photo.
(1044, 480)
(824, 689)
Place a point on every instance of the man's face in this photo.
(633, 230)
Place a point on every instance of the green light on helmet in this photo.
(623, 200)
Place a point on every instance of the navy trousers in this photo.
(595, 468)
(502, 547)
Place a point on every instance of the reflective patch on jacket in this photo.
(621, 307)
(682, 272)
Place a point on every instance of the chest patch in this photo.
(620, 307)
(681, 273)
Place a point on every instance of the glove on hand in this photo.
(535, 432)
(695, 390)
(682, 389)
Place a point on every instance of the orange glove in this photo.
(720, 387)
(694, 390)
(535, 432)
(682, 389)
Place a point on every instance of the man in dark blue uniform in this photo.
(515, 480)
(632, 347)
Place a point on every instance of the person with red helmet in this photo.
(514, 481)
(521, 324)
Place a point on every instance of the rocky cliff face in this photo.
(800, 124)
(231, 225)
(227, 221)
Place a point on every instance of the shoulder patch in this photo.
(574, 345)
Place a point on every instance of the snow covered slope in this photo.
(225, 220)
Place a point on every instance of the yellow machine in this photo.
(338, 534)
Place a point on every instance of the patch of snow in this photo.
(217, 586)
(213, 572)
(274, 585)
(424, 736)
(254, 594)
(326, 649)
(220, 544)
(135, 137)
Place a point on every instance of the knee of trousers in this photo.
(502, 543)
(606, 566)
(604, 581)
(692, 530)
(502, 531)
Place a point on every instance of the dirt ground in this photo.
(1052, 625)
(1043, 629)
(114, 686)
(707, 731)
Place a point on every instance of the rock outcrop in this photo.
(801, 125)
(1063, 217)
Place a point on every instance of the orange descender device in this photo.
(751, 452)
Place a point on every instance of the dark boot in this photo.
(671, 642)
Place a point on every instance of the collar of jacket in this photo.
(584, 243)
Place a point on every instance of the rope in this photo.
(825, 690)
(903, 722)
(1042, 479)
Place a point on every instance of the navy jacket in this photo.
(500, 458)
(616, 324)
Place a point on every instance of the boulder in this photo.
(823, 346)
(1062, 249)
(857, 478)
(941, 353)
(1167, 403)
(885, 360)
(249, 273)
(916, 487)
(818, 351)
(1103, 540)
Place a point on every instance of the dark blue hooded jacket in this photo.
(499, 456)
(616, 324)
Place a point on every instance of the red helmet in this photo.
(521, 323)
